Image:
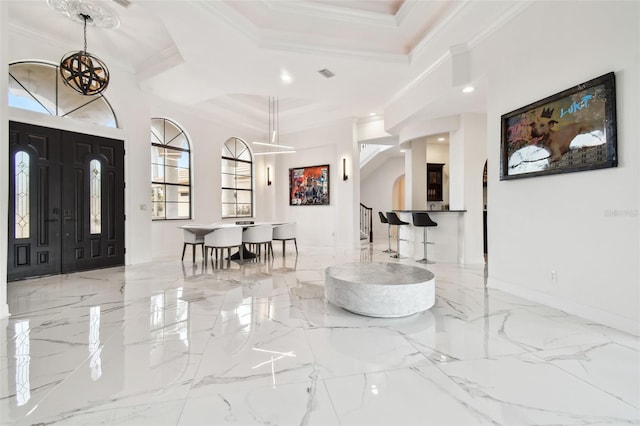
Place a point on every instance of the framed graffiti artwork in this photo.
(309, 186)
(571, 131)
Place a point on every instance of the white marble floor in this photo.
(169, 344)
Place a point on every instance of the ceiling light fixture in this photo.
(468, 89)
(274, 131)
(83, 72)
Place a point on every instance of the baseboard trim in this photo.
(587, 312)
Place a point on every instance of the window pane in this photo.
(157, 164)
(179, 141)
(243, 210)
(244, 197)
(244, 154)
(243, 182)
(177, 210)
(243, 169)
(36, 81)
(95, 196)
(177, 194)
(97, 110)
(171, 132)
(228, 166)
(228, 196)
(228, 210)
(157, 192)
(157, 210)
(228, 181)
(176, 175)
(157, 131)
(22, 173)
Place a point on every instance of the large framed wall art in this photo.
(571, 131)
(309, 186)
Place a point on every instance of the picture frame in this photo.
(571, 131)
(309, 186)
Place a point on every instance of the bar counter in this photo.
(448, 236)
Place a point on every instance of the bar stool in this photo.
(383, 219)
(395, 220)
(423, 220)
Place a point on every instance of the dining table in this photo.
(201, 230)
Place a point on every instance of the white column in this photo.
(419, 174)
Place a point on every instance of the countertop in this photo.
(430, 211)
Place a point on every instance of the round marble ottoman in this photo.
(380, 289)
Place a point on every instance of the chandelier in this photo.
(82, 71)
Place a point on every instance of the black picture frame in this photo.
(571, 131)
(309, 186)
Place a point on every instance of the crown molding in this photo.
(512, 12)
(335, 13)
(280, 40)
(168, 58)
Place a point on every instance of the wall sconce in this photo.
(345, 176)
(268, 176)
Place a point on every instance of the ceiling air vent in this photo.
(125, 3)
(326, 73)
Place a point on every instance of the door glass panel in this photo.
(22, 195)
(95, 195)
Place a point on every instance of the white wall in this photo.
(582, 225)
(562, 222)
(332, 225)
(376, 192)
(4, 158)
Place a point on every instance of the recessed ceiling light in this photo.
(371, 114)
(441, 139)
(468, 89)
(285, 77)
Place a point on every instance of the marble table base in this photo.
(380, 289)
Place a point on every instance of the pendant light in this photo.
(274, 131)
(82, 71)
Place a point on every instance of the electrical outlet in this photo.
(554, 277)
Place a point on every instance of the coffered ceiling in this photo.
(225, 58)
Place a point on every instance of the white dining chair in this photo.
(223, 238)
(192, 239)
(285, 232)
(258, 236)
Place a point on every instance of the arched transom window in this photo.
(237, 179)
(37, 86)
(170, 171)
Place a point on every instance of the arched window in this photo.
(37, 86)
(170, 171)
(237, 179)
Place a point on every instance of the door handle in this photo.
(68, 219)
(52, 220)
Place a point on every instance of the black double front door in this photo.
(66, 202)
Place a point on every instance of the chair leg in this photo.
(184, 248)
(397, 255)
(296, 244)
(283, 249)
(193, 253)
(389, 250)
